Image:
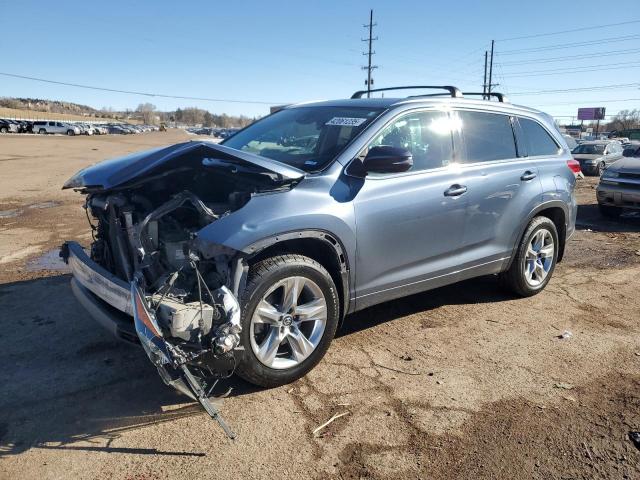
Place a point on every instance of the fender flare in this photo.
(325, 236)
(537, 209)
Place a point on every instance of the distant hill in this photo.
(49, 109)
(48, 106)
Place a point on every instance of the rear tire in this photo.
(609, 211)
(3, 130)
(535, 259)
(601, 168)
(42, 131)
(294, 355)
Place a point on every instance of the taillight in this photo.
(574, 165)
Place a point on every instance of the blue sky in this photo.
(293, 51)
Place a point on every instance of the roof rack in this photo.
(500, 96)
(453, 91)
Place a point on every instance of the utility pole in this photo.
(491, 71)
(484, 82)
(369, 68)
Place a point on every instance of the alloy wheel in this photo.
(288, 323)
(539, 257)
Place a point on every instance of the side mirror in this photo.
(387, 159)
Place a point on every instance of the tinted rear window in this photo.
(487, 136)
(539, 142)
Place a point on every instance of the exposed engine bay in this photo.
(144, 230)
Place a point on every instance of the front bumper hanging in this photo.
(112, 302)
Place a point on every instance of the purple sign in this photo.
(594, 113)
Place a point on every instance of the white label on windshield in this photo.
(346, 121)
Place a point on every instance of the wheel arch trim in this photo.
(534, 212)
(324, 236)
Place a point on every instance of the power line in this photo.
(582, 89)
(569, 45)
(369, 68)
(586, 102)
(568, 31)
(571, 57)
(132, 92)
(586, 68)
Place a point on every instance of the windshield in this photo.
(589, 149)
(308, 138)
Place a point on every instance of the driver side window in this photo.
(427, 135)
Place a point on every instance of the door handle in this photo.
(528, 175)
(455, 190)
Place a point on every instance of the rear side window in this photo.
(539, 141)
(487, 136)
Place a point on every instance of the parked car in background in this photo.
(48, 127)
(117, 130)
(619, 186)
(28, 126)
(87, 128)
(595, 156)
(7, 126)
(369, 199)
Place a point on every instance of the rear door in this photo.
(410, 225)
(503, 186)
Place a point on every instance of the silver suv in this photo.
(248, 255)
(55, 127)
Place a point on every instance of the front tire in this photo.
(42, 131)
(71, 133)
(290, 313)
(3, 130)
(535, 260)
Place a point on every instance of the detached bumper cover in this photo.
(113, 290)
(106, 297)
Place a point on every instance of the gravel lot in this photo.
(460, 382)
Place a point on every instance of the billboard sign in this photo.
(593, 113)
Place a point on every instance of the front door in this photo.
(410, 225)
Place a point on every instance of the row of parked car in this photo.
(71, 128)
(213, 132)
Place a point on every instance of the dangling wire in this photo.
(170, 281)
(93, 227)
(201, 319)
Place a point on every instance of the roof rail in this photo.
(500, 96)
(453, 91)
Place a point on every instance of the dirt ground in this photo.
(460, 382)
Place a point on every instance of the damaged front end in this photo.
(145, 260)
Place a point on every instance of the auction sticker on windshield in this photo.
(346, 121)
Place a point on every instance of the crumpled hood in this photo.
(117, 171)
(626, 165)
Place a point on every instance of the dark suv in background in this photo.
(247, 255)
